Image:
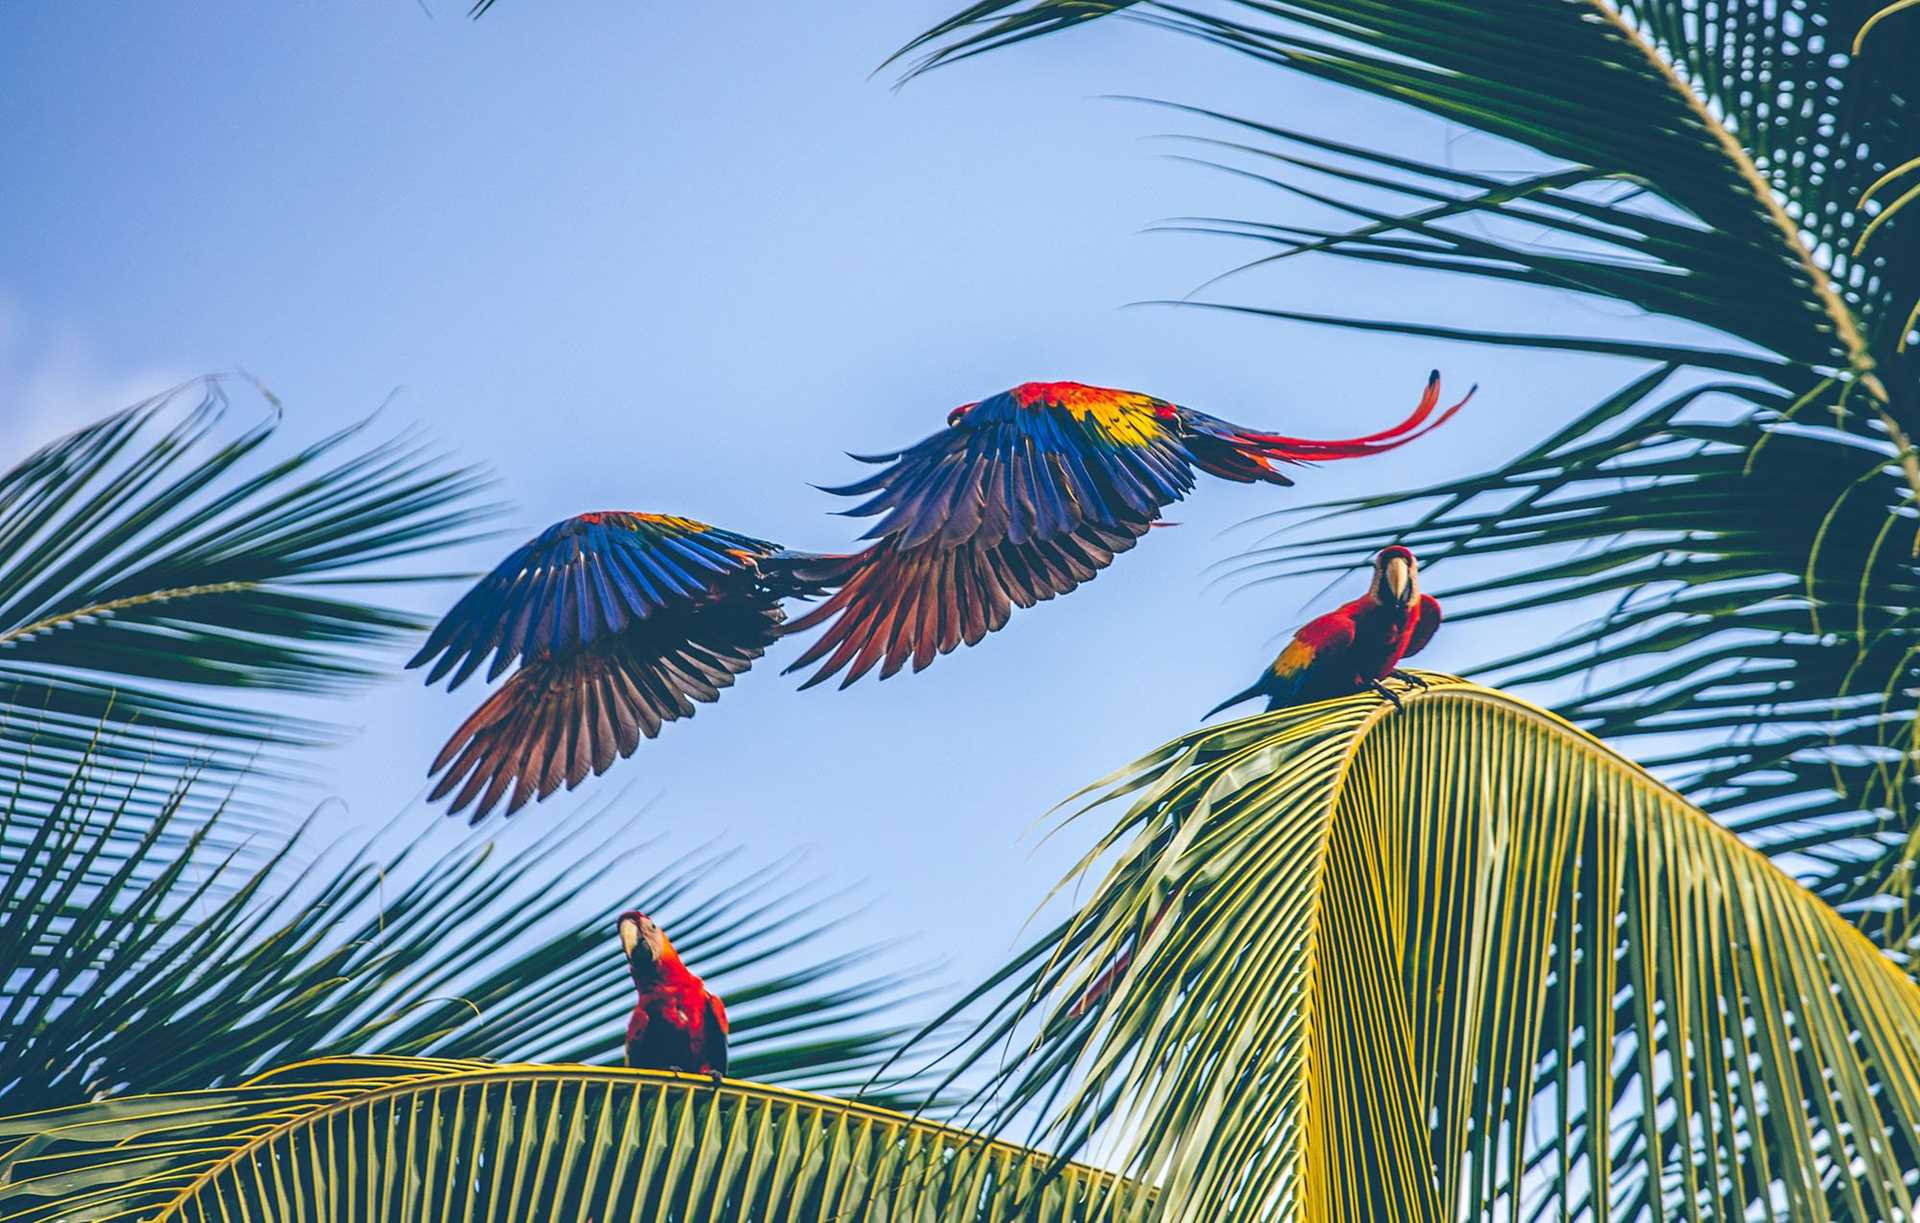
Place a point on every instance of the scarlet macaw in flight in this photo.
(1357, 646)
(621, 621)
(677, 1022)
(1026, 495)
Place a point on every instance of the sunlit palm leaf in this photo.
(1745, 507)
(1340, 963)
(428, 1139)
(128, 964)
(154, 571)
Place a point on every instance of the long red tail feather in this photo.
(1313, 450)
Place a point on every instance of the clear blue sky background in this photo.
(679, 257)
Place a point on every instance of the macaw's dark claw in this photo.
(1387, 694)
(1409, 678)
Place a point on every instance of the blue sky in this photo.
(680, 258)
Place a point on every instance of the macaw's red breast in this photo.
(678, 1024)
(1381, 634)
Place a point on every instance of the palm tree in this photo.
(1741, 510)
(1338, 962)
(157, 570)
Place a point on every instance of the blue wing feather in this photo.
(579, 582)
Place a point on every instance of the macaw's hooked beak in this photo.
(1400, 579)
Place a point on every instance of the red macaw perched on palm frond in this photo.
(1026, 495)
(1357, 646)
(677, 1022)
(620, 622)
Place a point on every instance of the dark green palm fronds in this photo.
(1741, 513)
(132, 962)
(156, 569)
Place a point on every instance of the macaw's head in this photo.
(1396, 577)
(960, 413)
(645, 944)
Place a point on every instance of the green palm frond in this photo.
(155, 570)
(1338, 962)
(391, 1138)
(1741, 513)
(151, 962)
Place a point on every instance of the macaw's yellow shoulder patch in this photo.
(1297, 657)
(673, 524)
(1124, 418)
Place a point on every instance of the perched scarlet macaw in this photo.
(621, 621)
(677, 1023)
(1026, 495)
(1354, 647)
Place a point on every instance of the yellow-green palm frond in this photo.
(1339, 962)
(422, 1138)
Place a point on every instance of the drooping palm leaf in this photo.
(1338, 962)
(129, 964)
(387, 1138)
(155, 570)
(1745, 507)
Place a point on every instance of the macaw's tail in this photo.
(1246, 455)
(1258, 688)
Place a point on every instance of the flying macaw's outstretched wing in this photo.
(559, 718)
(1025, 496)
(620, 622)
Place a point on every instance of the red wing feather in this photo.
(560, 718)
(1031, 493)
(901, 605)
